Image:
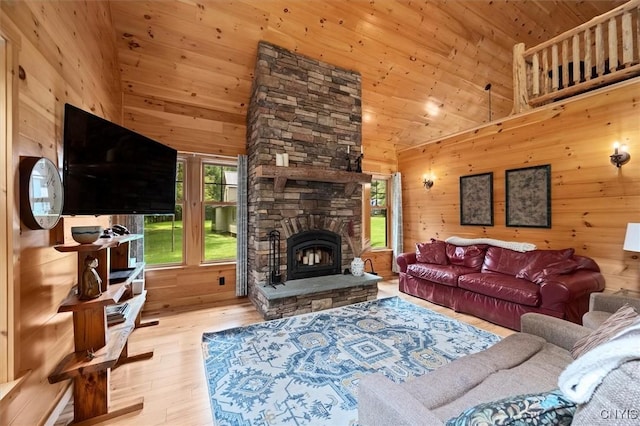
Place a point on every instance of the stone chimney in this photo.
(311, 111)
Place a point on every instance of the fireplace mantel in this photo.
(316, 174)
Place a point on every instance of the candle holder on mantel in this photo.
(359, 163)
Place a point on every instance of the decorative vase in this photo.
(357, 267)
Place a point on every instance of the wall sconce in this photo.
(428, 183)
(620, 155)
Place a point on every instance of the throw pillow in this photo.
(504, 261)
(469, 256)
(539, 259)
(585, 263)
(548, 408)
(621, 319)
(558, 268)
(433, 252)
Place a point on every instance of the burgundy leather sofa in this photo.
(498, 284)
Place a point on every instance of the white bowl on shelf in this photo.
(86, 234)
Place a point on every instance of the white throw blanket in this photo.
(511, 245)
(581, 378)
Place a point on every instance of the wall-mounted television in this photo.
(108, 169)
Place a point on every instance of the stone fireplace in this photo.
(311, 111)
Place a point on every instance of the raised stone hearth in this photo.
(315, 294)
(311, 111)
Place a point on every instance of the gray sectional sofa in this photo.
(528, 362)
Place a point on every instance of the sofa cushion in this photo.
(469, 256)
(501, 286)
(621, 319)
(520, 363)
(536, 374)
(504, 261)
(433, 252)
(441, 274)
(546, 408)
(453, 381)
(538, 260)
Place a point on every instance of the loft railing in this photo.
(602, 51)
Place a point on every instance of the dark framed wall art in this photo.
(528, 197)
(476, 199)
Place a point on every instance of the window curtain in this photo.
(242, 229)
(396, 219)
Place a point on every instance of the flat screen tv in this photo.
(108, 169)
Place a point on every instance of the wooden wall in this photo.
(592, 201)
(184, 286)
(185, 127)
(68, 54)
(424, 65)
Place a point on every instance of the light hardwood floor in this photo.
(172, 382)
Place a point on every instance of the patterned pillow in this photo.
(433, 252)
(621, 319)
(549, 408)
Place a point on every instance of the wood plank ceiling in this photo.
(424, 64)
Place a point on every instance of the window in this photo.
(379, 217)
(163, 234)
(220, 197)
(205, 199)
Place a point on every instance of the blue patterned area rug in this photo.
(304, 370)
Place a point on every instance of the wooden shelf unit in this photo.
(315, 174)
(97, 346)
(112, 254)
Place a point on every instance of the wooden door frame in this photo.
(9, 221)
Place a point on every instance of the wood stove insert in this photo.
(313, 253)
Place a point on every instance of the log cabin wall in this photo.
(67, 51)
(592, 200)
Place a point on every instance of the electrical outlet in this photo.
(220, 280)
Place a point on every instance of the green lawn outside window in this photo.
(161, 247)
(378, 232)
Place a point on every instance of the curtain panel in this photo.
(396, 219)
(243, 232)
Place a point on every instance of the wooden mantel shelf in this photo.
(315, 174)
